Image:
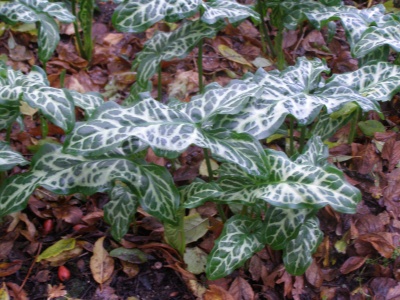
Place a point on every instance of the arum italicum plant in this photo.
(278, 196)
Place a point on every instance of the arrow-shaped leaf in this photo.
(297, 254)
(239, 240)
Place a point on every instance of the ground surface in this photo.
(359, 257)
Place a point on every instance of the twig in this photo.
(30, 268)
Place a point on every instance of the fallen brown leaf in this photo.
(240, 289)
(352, 263)
(101, 264)
(8, 268)
(216, 293)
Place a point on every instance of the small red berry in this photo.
(48, 226)
(63, 273)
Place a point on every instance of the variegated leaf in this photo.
(48, 37)
(57, 10)
(295, 185)
(8, 115)
(326, 126)
(54, 104)
(386, 33)
(315, 153)
(15, 191)
(14, 12)
(138, 15)
(165, 46)
(120, 210)
(219, 100)
(298, 91)
(168, 131)
(378, 82)
(297, 255)
(88, 101)
(216, 10)
(241, 237)
(42, 12)
(67, 174)
(354, 21)
(282, 225)
(10, 158)
(198, 192)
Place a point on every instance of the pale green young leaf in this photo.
(297, 255)
(119, 212)
(138, 15)
(10, 158)
(241, 237)
(166, 46)
(216, 10)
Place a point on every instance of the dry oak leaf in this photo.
(55, 291)
(101, 264)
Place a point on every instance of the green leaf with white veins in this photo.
(216, 10)
(386, 33)
(8, 115)
(14, 12)
(48, 37)
(120, 210)
(67, 174)
(297, 255)
(41, 12)
(241, 237)
(282, 225)
(138, 15)
(88, 101)
(170, 131)
(378, 82)
(166, 46)
(298, 91)
(10, 158)
(53, 103)
(198, 192)
(298, 185)
(355, 21)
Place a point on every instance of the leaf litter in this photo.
(359, 257)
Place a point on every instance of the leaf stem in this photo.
(353, 125)
(211, 178)
(291, 137)
(8, 133)
(302, 142)
(278, 47)
(76, 28)
(159, 84)
(265, 39)
(44, 126)
(200, 66)
(62, 78)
